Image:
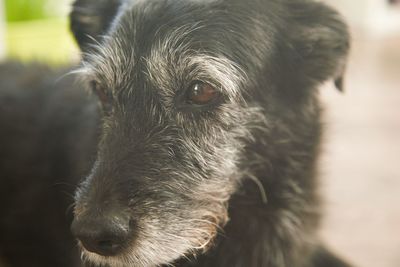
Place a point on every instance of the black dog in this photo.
(209, 131)
(47, 138)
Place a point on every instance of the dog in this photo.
(210, 130)
(47, 132)
(203, 149)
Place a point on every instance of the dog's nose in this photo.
(106, 237)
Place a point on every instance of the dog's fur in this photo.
(47, 139)
(230, 184)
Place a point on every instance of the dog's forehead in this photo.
(163, 39)
(151, 25)
(155, 34)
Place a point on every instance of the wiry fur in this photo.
(260, 142)
(232, 184)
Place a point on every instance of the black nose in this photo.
(106, 237)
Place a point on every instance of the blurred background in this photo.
(360, 164)
(36, 30)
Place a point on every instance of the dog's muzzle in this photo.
(104, 236)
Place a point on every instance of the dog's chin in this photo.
(148, 255)
(122, 260)
(109, 261)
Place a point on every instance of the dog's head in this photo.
(184, 86)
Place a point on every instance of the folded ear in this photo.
(89, 19)
(320, 42)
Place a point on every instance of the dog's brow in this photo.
(228, 74)
(193, 65)
(112, 61)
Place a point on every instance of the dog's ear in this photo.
(89, 19)
(320, 41)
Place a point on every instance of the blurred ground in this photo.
(361, 156)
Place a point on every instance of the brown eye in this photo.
(101, 93)
(201, 93)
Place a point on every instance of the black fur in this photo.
(250, 157)
(47, 133)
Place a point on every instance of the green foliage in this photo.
(21, 10)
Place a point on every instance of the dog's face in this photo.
(184, 86)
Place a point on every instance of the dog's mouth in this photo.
(151, 245)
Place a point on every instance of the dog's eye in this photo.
(201, 93)
(103, 95)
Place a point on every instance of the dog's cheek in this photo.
(189, 230)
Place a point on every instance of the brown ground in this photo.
(361, 157)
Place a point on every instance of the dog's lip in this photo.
(86, 250)
(113, 251)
